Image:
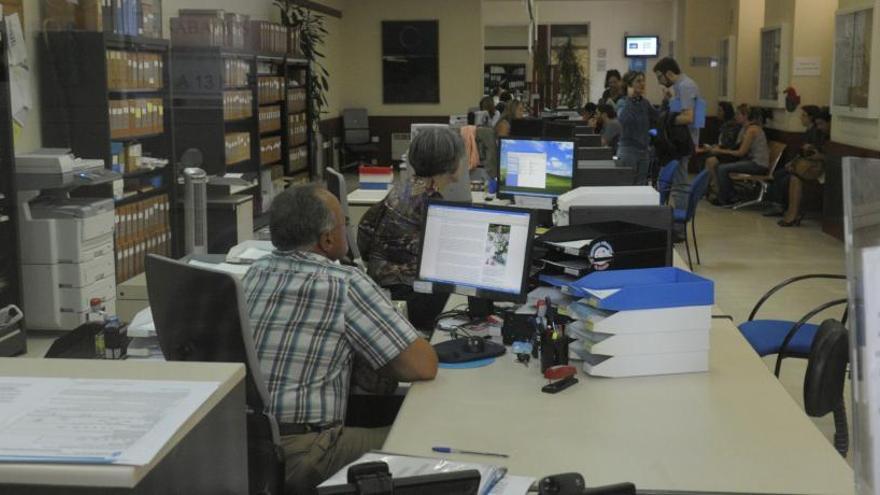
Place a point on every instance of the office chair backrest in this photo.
(826, 369)
(665, 180)
(337, 186)
(658, 217)
(200, 315)
(698, 189)
(356, 126)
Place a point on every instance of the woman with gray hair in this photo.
(389, 235)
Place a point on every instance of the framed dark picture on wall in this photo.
(410, 65)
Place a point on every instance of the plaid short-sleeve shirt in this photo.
(308, 315)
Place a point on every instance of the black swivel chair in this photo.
(200, 315)
(825, 378)
(357, 142)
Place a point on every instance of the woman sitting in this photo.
(389, 235)
(808, 167)
(729, 135)
(752, 153)
(513, 111)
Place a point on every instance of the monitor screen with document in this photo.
(478, 251)
(535, 167)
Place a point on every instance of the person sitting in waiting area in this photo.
(589, 114)
(808, 167)
(814, 119)
(309, 315)
(389, 234)
(753, 154)
(729, 134)
(611, 128)
(514, 110)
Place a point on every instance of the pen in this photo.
(450, 450)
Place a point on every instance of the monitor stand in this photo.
(479, 308)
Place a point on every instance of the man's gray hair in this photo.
(298, 217)
(435, 151)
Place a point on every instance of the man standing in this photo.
(686, 93)
(309, 316)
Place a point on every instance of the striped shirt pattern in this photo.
(308, 315)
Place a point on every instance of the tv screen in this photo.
(641, 46)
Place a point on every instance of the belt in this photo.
(302, 428)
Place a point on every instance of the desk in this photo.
(733, 429)
(207, 455)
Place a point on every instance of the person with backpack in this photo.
(637, 117)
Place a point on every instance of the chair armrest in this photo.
(797, 326)
(786, 283)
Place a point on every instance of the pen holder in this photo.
(554, 349)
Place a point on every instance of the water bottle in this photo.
(112, 338)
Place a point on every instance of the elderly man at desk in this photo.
(310, 315)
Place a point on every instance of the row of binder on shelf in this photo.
(129, 157)
(297, 127)
(142, 227)
(134, 70)
(130, 17)
(238, 147)
(236, 72)
(238, 104)
(299, 159)
(270, 118)
(296, 100)
(645, 321)
(270, 150)
(270, 89)
(136, 117)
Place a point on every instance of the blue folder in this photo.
(645, 288)
(699, 110)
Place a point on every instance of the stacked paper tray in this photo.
(659, 325)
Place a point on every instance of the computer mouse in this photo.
(474, 345)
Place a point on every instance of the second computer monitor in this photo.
(535, 167)
(477, 251)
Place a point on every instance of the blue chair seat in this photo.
(680, 216)
(766, 336)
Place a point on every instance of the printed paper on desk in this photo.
(237, 270)
(93, 421)
(571, 247)
(17, 49)
(601, 293)
(142, 324)
(402, 466)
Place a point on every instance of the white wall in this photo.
(609, 21)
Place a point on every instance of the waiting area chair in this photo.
(357, 142)
(200, 315)
(786, 338)
(695, 193)
(825, 379)
(760, 182)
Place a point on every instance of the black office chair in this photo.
(357, 142)
(200, 315)
(825, 378)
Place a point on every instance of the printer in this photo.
(67, 245)
(603, 196)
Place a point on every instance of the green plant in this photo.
(542, 75)
(572, 80)
(312, 34)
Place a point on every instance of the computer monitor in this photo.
(559, 129)
(527, 128)
(483, 252)
(641, 46)
(535, 167)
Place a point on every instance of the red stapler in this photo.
(563, 376)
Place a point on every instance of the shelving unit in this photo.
(200, 81)
(105, 108)
(511, 77)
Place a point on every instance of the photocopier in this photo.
(67, 249)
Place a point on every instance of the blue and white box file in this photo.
(641, 322)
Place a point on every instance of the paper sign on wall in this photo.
(807, 66)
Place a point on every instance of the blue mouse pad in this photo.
(480, 363)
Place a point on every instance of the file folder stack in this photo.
(650, 321)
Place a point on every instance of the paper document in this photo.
(93, 421)
(142, 324)
(402, 466)
(601, 293)
(576, 245)
(512, 485)
(249, 251)
(230, 268)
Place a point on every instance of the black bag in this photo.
(673, 141)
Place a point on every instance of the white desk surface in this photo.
(732, 429)
(228, 374)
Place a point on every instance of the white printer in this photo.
(603, 196)
(67, 251)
